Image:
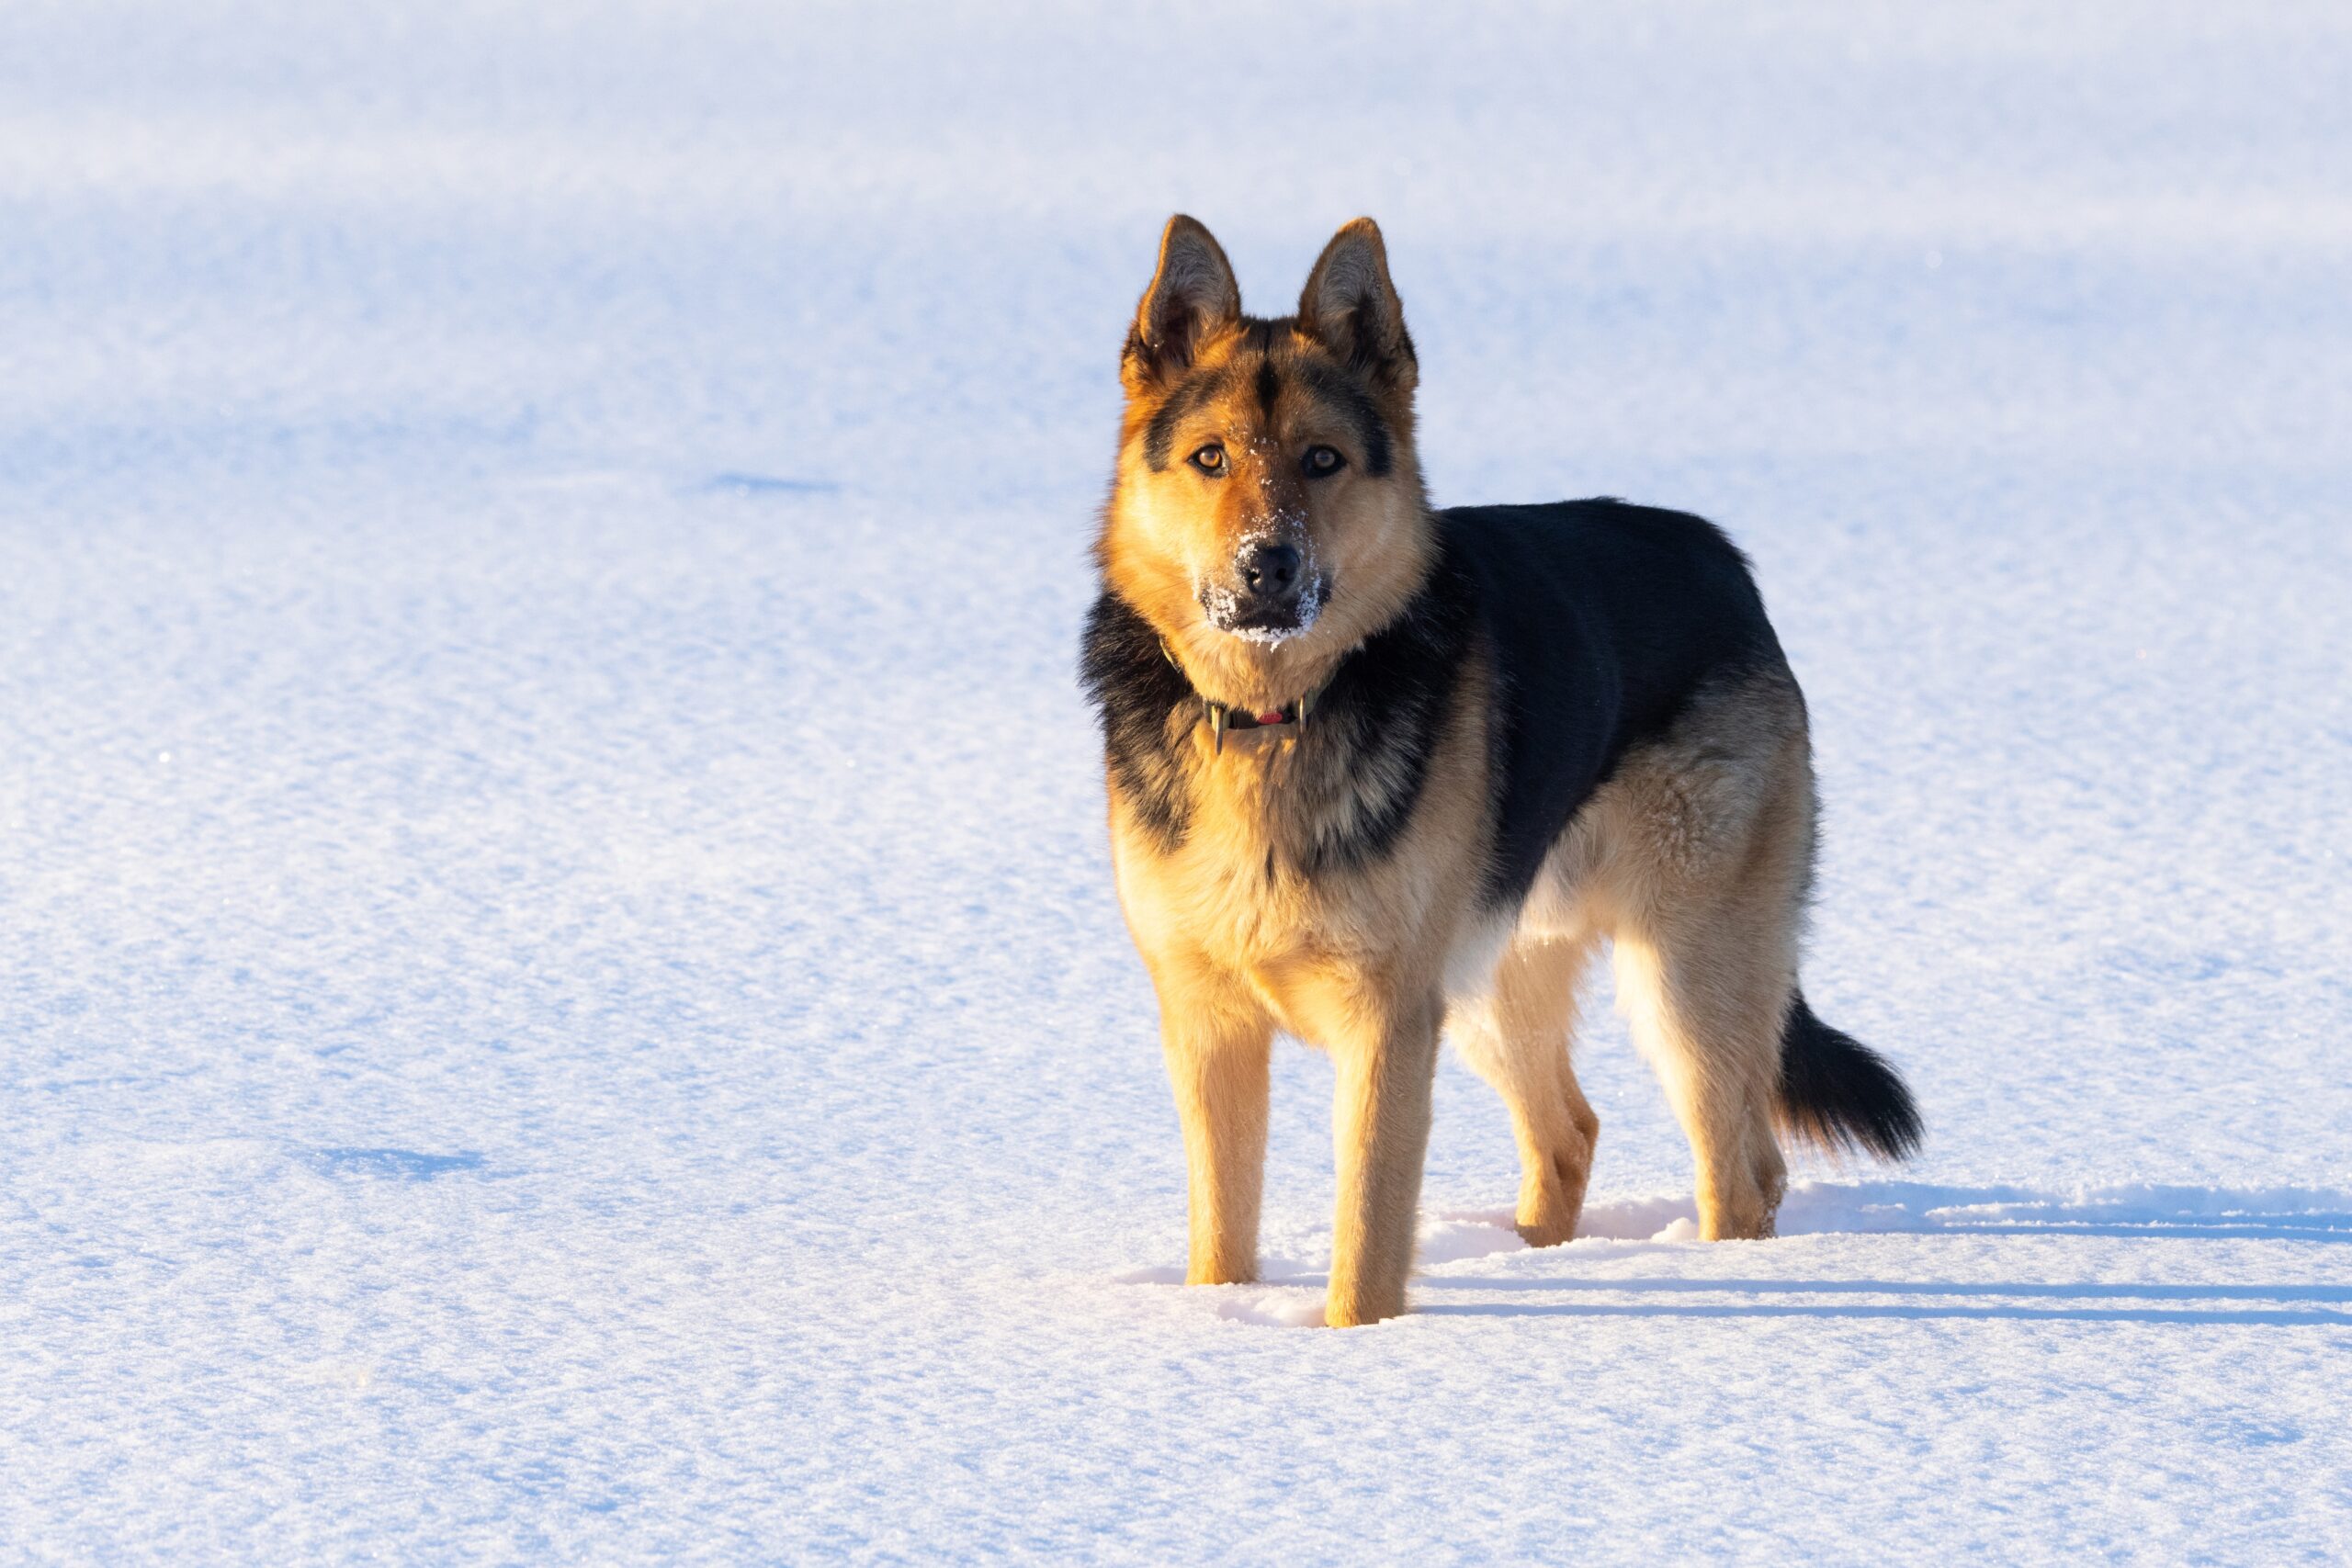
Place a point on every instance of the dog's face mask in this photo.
(1267, 465)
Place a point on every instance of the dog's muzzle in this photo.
(1275, 595)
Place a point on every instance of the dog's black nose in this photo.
(1270, 570)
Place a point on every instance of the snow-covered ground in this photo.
(562, 999)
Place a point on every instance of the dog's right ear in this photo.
(1192, 297)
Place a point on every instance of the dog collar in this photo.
(1223, 716)
(1290, 715)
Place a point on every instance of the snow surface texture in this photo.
(563, 997)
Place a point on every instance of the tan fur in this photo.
(1693, 859)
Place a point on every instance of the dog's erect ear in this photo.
(1191, 296)
(1349, 307)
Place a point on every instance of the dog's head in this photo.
(1268, 499)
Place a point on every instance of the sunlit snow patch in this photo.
(1156, 1274)
(1451, 1235)
(1283, 1308)
(1639, 1219)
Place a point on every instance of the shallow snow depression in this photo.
(563, 997)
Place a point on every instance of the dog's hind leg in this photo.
(1710, 839)
(1218, 1038)
(1710, 1023)
(1517, 1038)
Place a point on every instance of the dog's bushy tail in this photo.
(1838, 1094)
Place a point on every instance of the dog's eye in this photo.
(1322, 461)
(1210, 460)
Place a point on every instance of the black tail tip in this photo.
(1838, 1094)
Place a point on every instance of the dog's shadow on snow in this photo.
(1291, 1293)
(2013, 1302)
(1900, 1208)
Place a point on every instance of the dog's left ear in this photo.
(1349, 307)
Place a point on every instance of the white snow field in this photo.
(562, 999)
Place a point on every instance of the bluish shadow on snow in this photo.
(2276, 1319)
(395, 1165)
(1901, 1208)
(1820, 1208)
(2322, 1294)
(764, 484)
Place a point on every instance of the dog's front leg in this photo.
(1387, 1055)
(1218, 1038)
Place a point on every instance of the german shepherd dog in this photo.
(1378, 770)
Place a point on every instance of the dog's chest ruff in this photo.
(1339, 791)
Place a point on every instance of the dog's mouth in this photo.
(1261, 618)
